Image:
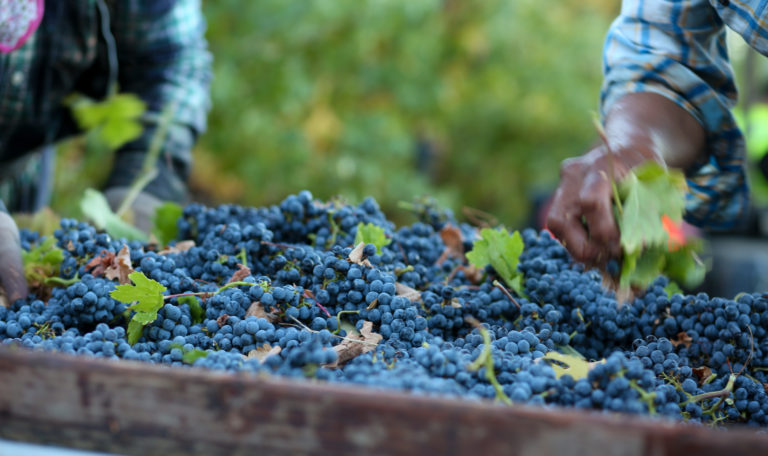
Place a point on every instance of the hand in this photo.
(11, 268)
(142, 208)
(640, 127)
(581, 214)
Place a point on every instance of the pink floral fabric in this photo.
(18, 21)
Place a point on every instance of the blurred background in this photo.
(474, 103)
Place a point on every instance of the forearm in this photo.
(647, 126)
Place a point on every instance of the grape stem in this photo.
(485, 359)
(208, 294)
(503, 289)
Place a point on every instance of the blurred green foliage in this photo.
(473, 102)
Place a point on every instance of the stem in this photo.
(307, 328)
(149, 168)
(645, 396)
(712, 394)
(60, 281)
(486, 359)
(280, 246)
(208, 294)
(504, 290)
(338, 318)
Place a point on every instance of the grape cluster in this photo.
(303, 306)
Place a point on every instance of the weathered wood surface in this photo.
(141, 409)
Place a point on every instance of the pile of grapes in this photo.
(304, 304)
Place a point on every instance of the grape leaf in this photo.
(368, 233)
(355, 345)
(135, 329)
(41, 262)
(502, 251)
(165, 227)
(195, 309)
(189, 357)
(95, 206)
(115, 119)
(649, 205)
(574, 366)
(263, 352)
(647, 194)
(147, 295)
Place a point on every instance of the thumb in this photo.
(12, 277)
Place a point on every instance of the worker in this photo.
(51, 49)
(667, 96)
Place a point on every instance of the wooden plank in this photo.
(136, 408)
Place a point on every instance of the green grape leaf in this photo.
(95, 206)
(502, 251)
(115, 119)
(146, 297)
(135, 330)
(672, 289)
(368, 233)
(649, 205)
(42, 262)
(684, 266)
(116, 132)
(193, 355)
(165, 227)
(144, 318)
(648, 193)
(195, 309)
(145, 292)
(642, 267)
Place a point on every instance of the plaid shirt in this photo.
(677, 48)
(161, 56)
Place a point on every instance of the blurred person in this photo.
(154, 49)
(666, 97)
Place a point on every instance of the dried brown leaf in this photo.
(355, 345)
(120, 267)
(356, 256)
(180, 247)
(242, 272)
(407, 292)
(454, 243)
(702, 373)
(257, 310)
(264, 352)
(683, 339)
(98, 265)
(222, 320)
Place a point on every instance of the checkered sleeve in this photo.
(163, 58)
(676, 48)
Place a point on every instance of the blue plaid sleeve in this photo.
(676, 48)
(163, 58)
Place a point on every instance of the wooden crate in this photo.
(142, 409)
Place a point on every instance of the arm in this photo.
(666, 97)
(163, 58)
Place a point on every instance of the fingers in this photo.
(11, 268)
(596, 202)
(581, 215)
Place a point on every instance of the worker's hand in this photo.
(640, 127)
(142, 209)
(581, 214)
(11, 268)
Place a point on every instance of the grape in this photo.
(655, 353)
